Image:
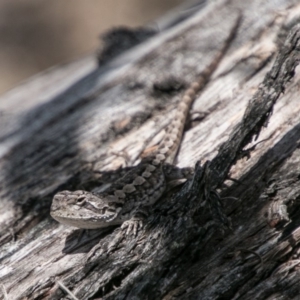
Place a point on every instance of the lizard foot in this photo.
(132, 226)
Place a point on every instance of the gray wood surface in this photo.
(59, 129)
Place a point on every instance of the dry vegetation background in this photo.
(37, 34)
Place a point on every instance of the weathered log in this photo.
(64, 128)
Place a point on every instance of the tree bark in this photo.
(67, 128)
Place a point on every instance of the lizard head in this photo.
(84, 210)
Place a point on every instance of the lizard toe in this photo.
(132, 226)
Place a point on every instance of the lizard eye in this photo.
(80, 200)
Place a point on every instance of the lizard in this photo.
(125, 201)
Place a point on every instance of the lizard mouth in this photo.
(85, 223)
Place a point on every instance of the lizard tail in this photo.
(168, 148)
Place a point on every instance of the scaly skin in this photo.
(125, 200)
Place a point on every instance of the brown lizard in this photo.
(125, 200)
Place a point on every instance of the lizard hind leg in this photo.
(176, 176)
(172, 172)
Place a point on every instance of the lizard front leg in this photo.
(136, 222)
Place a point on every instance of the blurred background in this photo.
(37, 34)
